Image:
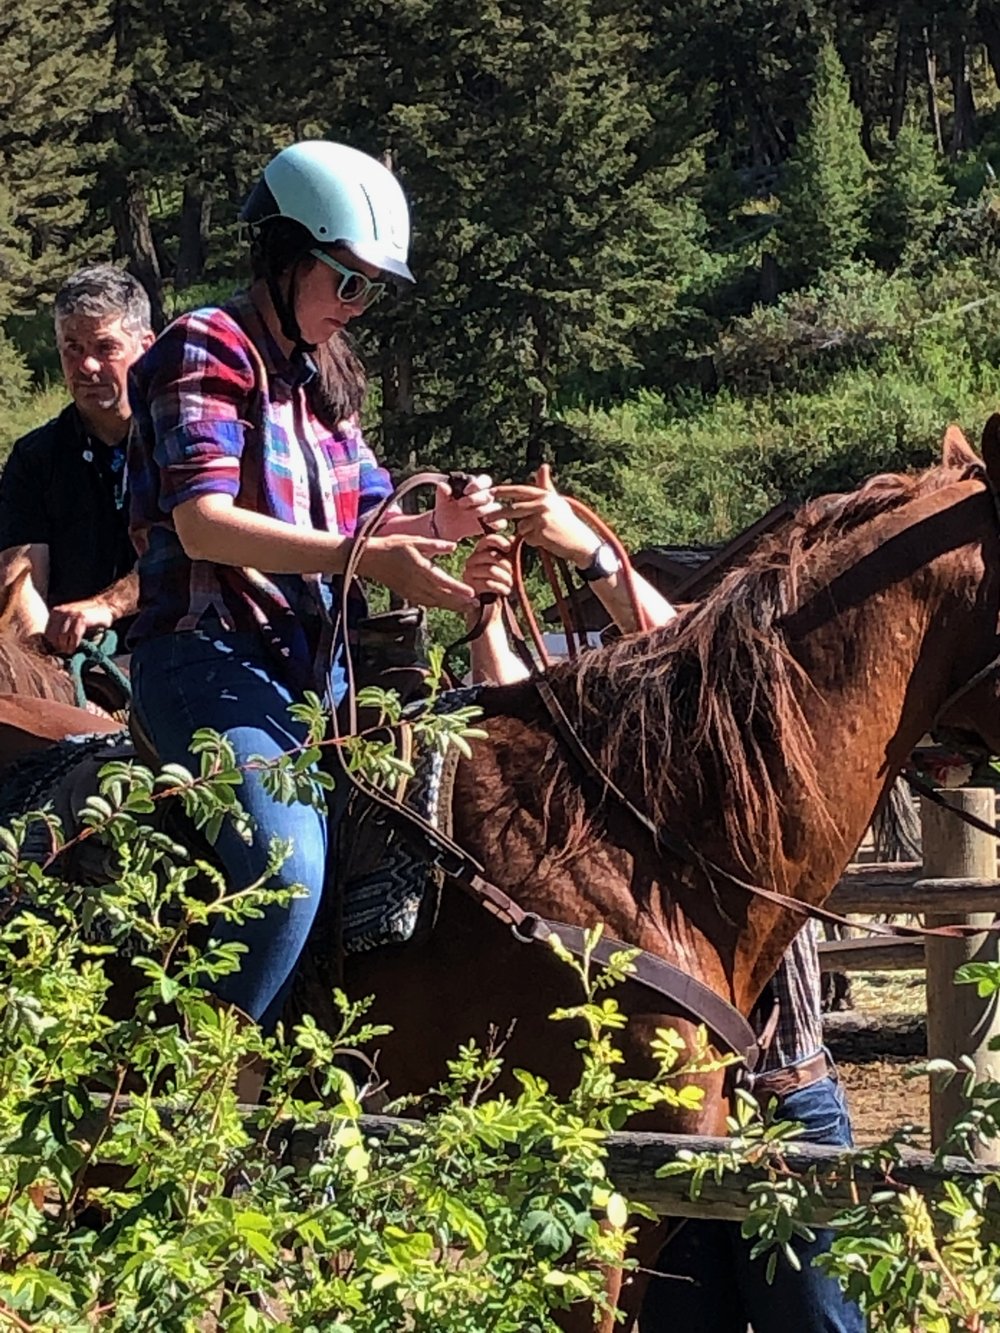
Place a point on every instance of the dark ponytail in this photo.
(280, 248)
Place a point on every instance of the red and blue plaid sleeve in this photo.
(200, 379)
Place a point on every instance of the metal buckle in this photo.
(449, 863)
(527, 930)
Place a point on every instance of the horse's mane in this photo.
(708, 707)
(28, 669)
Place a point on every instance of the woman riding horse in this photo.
(249, 475)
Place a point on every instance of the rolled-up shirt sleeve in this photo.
(374, 482)
(199, 387)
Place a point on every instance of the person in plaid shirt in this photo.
(248, 476)
(706, 1279)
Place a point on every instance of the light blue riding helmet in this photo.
(342, 197)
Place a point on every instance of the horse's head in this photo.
(969, 718)
(27, 665)
(23, 612)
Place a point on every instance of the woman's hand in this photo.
(454, 519)
(403, 563)
(545, 518)
(488, 568)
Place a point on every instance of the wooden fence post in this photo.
(958, 1021)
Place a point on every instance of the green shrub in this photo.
(496, 1215)
(15, 377)
(27, 412)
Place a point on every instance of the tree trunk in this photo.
(127, 204)
(192, 243)
(930, 69)
(963, 125)
(988, 18)
(900, 76)
(134, 235)
(398, 401)
(770, 279)
(398, 410)
(538, 400)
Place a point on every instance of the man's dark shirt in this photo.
(62, 488)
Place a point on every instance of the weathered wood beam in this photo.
(879, 953)
(902, 890)
(847, 1177)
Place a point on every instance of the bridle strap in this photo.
(982, 674)
(656, 974)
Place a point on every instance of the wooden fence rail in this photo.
(846, 1177)
(955, 883)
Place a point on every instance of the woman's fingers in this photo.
(440, 589)
(515, 493)
(467, 514)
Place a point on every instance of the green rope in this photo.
(98, 651)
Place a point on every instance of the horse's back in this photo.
(28, 724)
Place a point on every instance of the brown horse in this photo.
(764, 725)
(37, 695)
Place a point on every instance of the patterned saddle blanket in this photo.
(386, 892)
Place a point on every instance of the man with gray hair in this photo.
(62, 491)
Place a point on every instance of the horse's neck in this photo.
(878, 672)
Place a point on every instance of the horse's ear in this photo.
(991, 449)
(957, 451)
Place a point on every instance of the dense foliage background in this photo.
(702, 254)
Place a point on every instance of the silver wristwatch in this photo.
(603, 563)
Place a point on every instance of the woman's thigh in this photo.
(183, 682)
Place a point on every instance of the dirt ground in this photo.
(879, 1095)
(881, 1099)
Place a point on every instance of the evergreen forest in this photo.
(702, 255)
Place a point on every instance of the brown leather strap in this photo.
(790, 1078)
(666, 980)
(691, 995)
(923, 788)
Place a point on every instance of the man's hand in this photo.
(545, 518)
(69, 624)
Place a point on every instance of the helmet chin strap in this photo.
(284, 307)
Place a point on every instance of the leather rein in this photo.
(721, 1017)
(680, 989)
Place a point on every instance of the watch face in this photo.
(606, 561)
(603, 563)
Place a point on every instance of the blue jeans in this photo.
(184, 681)
(715, 1288)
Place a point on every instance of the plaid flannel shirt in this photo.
(796, 988)
(219, 409)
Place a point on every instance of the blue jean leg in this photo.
(181, 682)
(715, 1287)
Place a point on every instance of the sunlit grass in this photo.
(32, 411)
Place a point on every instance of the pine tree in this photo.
(554, 216)
(824, 198)
(54, 80)
(910, 196)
